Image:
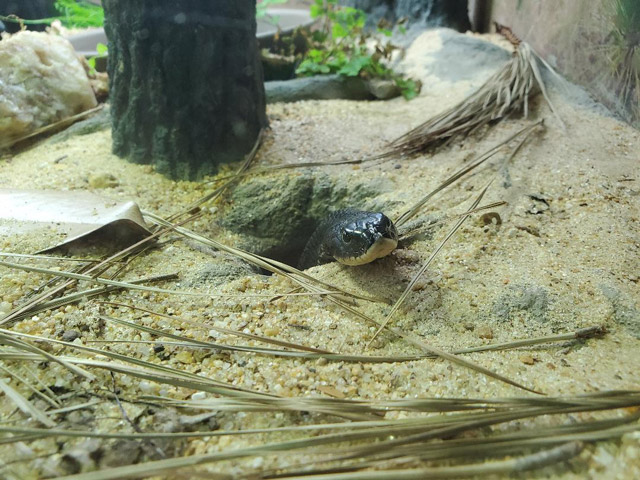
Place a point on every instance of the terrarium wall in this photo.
(594, 43)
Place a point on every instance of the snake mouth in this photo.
(382, 247)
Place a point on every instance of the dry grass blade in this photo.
(411, 212)
(430, 350)
(286, 166)
(7, 337)
(314, 353)
(50, 400)
(53, 127)
(137, 368)
(424, 267)
(133, 285)
(89, 293)
(514, 465)
(297, 276)
(95, 270)
(214, 346)
(48, 257)
(506, 92)
(432, 443)
(226, 331)
(25, 405)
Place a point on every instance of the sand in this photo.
(565, 257)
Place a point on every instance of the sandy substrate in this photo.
(565, 257)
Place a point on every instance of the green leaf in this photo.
(315, 11)
(309, 67)
(338, 31)
(386, 32)
(79, 14)
(261, 8)
(409, 87)
(102, 49)
(353, 67)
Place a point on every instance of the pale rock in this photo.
(41, 82)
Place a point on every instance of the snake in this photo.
(350, 237)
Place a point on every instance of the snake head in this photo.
(361, 237)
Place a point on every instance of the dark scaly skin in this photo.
(345, 236)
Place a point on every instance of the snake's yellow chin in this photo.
(380, 248)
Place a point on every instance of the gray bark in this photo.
(186, 87)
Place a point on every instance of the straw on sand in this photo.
(504, 93)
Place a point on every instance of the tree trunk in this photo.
(186, 86)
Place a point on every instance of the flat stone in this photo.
(320, 87)
(383, 89)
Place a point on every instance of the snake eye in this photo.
(346, 236)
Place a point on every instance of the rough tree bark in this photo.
(186, 86)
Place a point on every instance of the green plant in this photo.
(103, 51)
(261, 8)
(73, 14)
(79, 14)
(341, 46)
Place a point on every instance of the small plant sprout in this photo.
(341, 46)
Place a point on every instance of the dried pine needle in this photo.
(505, 92)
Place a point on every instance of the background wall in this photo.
(594, 43)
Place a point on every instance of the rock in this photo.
(267, 210)
(383, 89)
(539, 204)
(41, 82)
(103, 180)
(70, 335)
(442, 57)
(82, 457)
(484, 331)
(121, 452)
(320, 87)
(527, 359)
(276, 215)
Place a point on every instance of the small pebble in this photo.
(484, 332)
(331, 391)
(271, 331)
(70, 335)
(103, 180)
(5, 307)
(527, 359)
